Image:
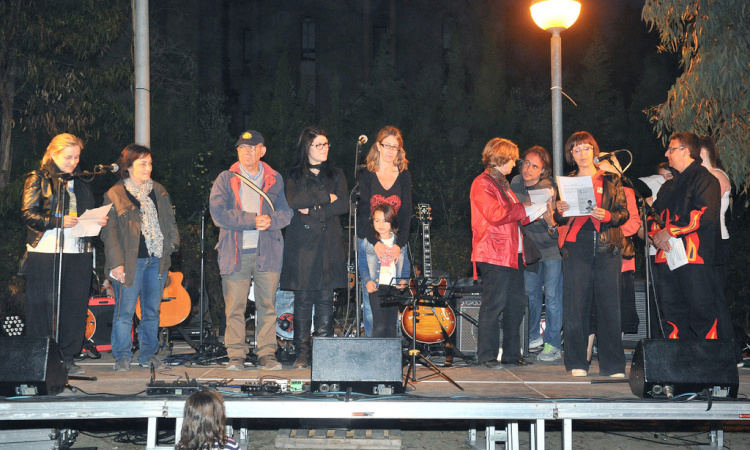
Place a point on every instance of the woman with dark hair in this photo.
(314, 260)
(386, 180)
(138, 240)
(497, 251)
(44, 214)
(712, 162)
(591, 247)
(204, 423)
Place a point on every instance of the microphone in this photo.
(362, 140)
(609, 156)
(107, 167)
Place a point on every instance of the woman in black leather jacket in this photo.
(44, 215)
(592, 259)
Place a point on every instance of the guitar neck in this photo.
(426, 251)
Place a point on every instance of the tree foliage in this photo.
(711, 96)
(52, 73)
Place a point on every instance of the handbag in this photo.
(531, 254)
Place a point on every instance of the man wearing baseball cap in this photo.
(249, 206)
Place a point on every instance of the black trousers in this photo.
(41, 279)
(592, 280)
(384, 316)
(502, 292)
(304, 303)
(692, 301)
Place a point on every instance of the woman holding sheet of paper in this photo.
(591, 249)
(53, 198)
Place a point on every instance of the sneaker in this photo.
(549, 353)
(122, 365)
(153, 361)
(536, 343)
(269, 362)
(74, 369)
(578, 373)
(617, 375)
(236, 365)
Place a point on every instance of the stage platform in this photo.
(504, 398)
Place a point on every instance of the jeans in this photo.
(149, 285)
(366, 309)
(236, 287)
(549, 277)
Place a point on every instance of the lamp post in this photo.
(556, 16)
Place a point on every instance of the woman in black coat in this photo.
(314, 260)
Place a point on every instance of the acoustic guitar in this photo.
(175, 302)
(431, 320)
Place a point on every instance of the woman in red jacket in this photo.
(497, 251)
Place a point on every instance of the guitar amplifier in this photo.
(99, 322)
(466, 332)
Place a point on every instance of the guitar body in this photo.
(430, 323)
(175, 302)
(90, 324)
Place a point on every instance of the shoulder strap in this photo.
(256, 189)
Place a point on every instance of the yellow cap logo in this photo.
(246, 135)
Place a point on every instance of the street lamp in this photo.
(556, 16)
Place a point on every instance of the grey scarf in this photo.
(149, 217)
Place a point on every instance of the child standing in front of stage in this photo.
(376, 275)
(203, 426)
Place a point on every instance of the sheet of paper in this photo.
(536, 210)
(87, 223)
(654, 183)
(541, 195)
(677, 257)
(578, 192)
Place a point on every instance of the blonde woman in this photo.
(53, 199)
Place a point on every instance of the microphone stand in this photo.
(354, 242)
(647, 211)
(62, 187)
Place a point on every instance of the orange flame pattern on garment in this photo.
(712, 334)
(675, 330)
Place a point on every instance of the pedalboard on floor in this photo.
(172, 388)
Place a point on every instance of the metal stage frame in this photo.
(536, 412)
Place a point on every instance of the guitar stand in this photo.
(450, 351)
(415, 354)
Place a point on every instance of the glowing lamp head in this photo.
(555, 14)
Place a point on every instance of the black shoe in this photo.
(519, 362)
(491, 364)
(74, 369)
(302, 361)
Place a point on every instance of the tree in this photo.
(51, 76)
(711, 96)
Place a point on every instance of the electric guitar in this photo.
(432, 320)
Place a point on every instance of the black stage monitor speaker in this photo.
(31, 366)
(366, 365)
(664, 368)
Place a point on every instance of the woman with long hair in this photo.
(497, 252)
(52, 200)
(138, 240)
(204, 422)
(314, 261)
(386, 180)
(591, 247)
